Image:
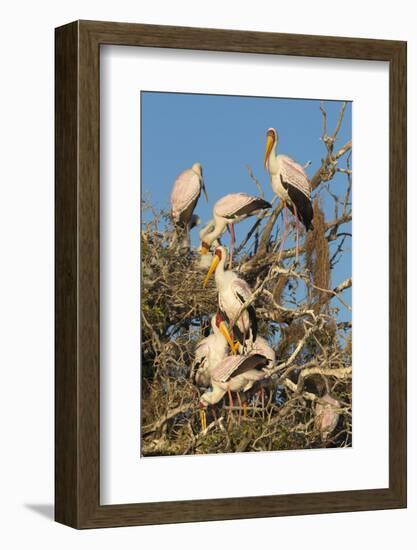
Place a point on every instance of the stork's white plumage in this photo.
(233, 292)
(229, 210)
(290, 182)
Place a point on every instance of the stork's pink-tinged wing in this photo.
(186, 189)
(239, 364)
(223, 371)
(293, 173)
(229, 204)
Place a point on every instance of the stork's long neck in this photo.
(212, 397)
(272, 160)
(219, 227)
(220, 272)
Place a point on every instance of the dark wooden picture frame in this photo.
(77, 373)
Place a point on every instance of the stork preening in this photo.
(184, 197)
(234, 374)
(290, 182)
(233, 292)
(227, 211)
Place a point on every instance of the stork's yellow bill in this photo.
(213, 266)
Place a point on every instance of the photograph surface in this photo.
(246, 274)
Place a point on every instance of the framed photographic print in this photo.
(230, 274)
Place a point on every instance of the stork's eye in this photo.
(218, 253)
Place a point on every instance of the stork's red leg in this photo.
(240, 404)
(229, 393)
(297, 226)
(285, 232)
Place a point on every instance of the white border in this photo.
(124, 476)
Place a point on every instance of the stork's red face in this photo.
(219, 318)
(204, 248)
(271, 139)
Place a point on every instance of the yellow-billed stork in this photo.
(229, 210)
(233, 292)
(290, 182)
(184, 196)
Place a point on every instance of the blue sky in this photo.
(226, 133)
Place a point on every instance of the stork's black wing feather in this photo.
(253, 322)
(185, 216)
(302, 204)
(250, 208)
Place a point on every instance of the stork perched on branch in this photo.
(227, 211)
(184, 197)
(233, 294)
(290, 182)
